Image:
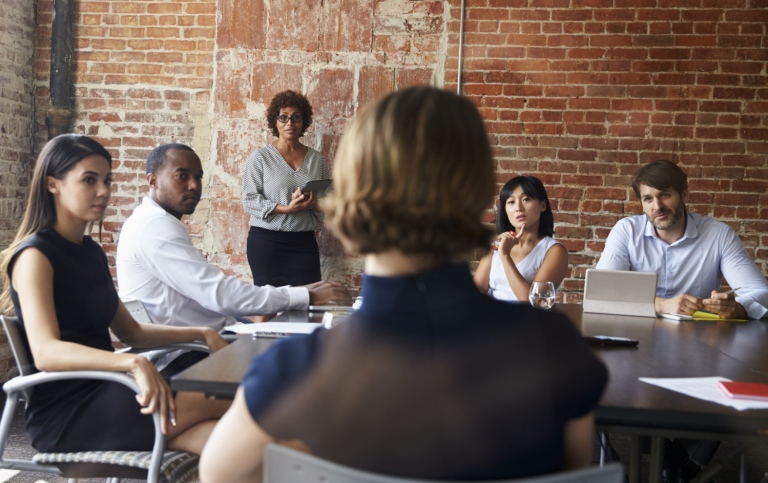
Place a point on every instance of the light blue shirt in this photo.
(694, 265)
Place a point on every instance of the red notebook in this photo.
(745, 390)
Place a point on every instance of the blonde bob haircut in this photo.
(413, 173)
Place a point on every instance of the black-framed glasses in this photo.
(296, 117)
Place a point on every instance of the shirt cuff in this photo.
(298, 298)
(753, 308)
(269, 211)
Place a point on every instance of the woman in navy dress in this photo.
(57, 280)
(429, 378)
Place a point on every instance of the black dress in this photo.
(82, 415)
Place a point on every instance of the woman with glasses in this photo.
(282, 249)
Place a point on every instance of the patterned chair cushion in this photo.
(177, 466)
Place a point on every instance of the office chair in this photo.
(155, 466)
(283, 464)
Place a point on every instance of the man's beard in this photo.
(671, 221)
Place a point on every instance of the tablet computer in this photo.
(620, 292)
(319, 186)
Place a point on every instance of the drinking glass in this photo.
(542, 295)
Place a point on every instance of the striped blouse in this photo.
(270, 181)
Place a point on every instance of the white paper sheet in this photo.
(273, 329)
(705, 388)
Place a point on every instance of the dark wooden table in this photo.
(219, 375)
(667, 348)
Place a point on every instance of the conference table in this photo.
(667, 348)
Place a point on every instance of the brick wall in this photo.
(17, 24)
(341, 54)
(16, 50)
(578, 92)
(581, 92)
(142, 74)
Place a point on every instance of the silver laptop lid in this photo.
(620, 292)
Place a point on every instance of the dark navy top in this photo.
(430, 379)
(86, 301)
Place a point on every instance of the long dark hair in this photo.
(58, 156)
(535, 189)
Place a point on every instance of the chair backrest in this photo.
(285, 464)
(137, 311)
(19, 345)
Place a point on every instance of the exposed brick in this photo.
(579, 94)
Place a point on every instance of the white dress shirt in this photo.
(694, 265)
(158, 265)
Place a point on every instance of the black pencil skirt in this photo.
(283, 257)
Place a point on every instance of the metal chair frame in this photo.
(21, 387)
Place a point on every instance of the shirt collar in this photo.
(690, 228)
(387, 298)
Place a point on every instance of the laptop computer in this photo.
(620, 292)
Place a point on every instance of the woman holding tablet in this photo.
(282, 249)
(525, 250)
(57, 281)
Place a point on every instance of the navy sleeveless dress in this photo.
(82, 415)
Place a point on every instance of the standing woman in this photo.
(58, 281)
(526, 250)
(282, 249)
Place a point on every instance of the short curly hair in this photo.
(289, 99)
(413, 173)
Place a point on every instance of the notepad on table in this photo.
(699, 315)
(754, 391)
(274, 329)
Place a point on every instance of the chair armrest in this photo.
(21, 383)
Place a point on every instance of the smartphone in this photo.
(604, 340)
(318, 186)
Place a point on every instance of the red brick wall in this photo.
(581, 92)
(142, 74)
(578, 92)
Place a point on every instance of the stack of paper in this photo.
(706, 388)
(274, 329)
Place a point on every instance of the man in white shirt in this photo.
(690, 253)
(158, 264)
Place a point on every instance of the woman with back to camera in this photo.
(526, 251)
(282, 249)
(58, 282)
(429, 378)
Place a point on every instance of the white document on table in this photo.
(706, 388)
(273, 329)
